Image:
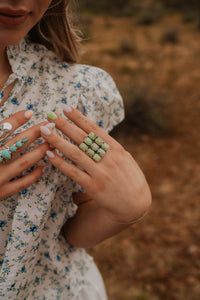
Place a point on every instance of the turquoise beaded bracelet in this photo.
(94, 147)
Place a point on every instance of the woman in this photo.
(43, 231)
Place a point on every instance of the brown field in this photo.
(159, 258)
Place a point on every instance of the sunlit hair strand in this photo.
(55, 32)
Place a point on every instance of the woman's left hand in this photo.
(116, 182)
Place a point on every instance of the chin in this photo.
(10, 39)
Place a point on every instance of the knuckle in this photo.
(35, 175)
(56, 141)
(93, 126)
(75, 155)
(39, 151)
(23, 185)
(59, 162)
(35, 130)
(81, 136)
(79, 116)
(88, 122)
(74, 172)
(24, 163)
(45, 146)
(62, 122)
(112, 162)
(18, 118)
(103, 177)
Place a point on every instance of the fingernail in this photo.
(50, 154)
(51, 125)
(45, 130)
(28, 114)
(52, 115)
(67, 108)
(45, 169)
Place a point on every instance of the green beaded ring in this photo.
(94, 147)
(6, 152)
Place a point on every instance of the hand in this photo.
(10, 168)
(116, 183)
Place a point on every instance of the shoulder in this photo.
(95, 80)
(91, 74)
(100, 99)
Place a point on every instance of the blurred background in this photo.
(152, 50)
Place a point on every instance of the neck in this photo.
(5, 69)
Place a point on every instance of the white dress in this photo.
(36, 262)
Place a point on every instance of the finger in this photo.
(20, 184)
(83, 123)
(69, 150)
(70, 130)
(86, 124)
(18, 119)
(70, 170)
(24, 162)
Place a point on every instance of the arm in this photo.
(80, 231)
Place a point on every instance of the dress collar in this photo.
(22, 57)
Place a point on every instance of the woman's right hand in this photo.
(10, 168)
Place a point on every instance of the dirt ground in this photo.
(159, 258)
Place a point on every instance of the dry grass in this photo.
(160, 257)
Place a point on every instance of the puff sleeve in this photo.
(100, 99)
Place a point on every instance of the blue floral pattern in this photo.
(36, 262)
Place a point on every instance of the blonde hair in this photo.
(56, 33)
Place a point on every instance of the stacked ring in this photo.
(94, 146)
(5, 129)
(6, 152)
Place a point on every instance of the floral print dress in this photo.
(36, 262)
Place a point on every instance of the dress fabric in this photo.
(93, 287)
(36, 262)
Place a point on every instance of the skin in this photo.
(116, 189)
(10, 35)
(35, 9)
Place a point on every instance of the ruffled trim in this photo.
(99, 98)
